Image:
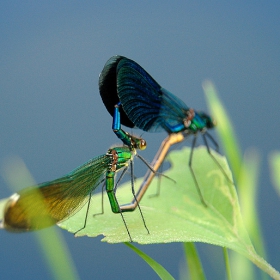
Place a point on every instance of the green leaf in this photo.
(160, 270)
(177, 215)
(224, 128)
(245, 173)
(274, 161)
(194, 264)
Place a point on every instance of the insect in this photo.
(135, 99)
(46, 204)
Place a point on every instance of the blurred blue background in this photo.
(52, 116)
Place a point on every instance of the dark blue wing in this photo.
(108, 89)
(149, 106)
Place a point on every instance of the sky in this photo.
(51, 114)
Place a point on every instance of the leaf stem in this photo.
(227, 263)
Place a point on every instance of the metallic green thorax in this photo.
(120, 158)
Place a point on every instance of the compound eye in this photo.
(143, 144)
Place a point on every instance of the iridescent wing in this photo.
(51, 202)
(144, 102)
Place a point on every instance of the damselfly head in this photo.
(210, 123)
(138, 143)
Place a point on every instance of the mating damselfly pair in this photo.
(134, 99)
